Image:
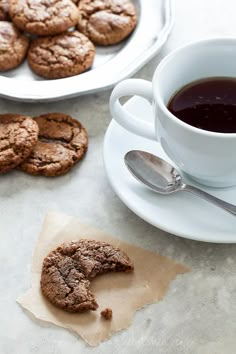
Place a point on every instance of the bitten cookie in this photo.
(18, 136)
(61, 56)
(4, 10)
(13, 46)
(106, 22)
(45, 17)
(62, 142)
(68, 270)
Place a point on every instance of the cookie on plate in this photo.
(106, 22)
(45, 17)
(18, 136)
(13, 46)
(4, 10)
(61, 56)
(62, 142)
(68, 270)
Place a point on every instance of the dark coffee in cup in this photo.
(208, 104)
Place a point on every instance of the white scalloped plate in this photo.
(111, 64)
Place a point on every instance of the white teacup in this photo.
(205, 156)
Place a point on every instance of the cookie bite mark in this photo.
(62, 142)
(106, 22)
(45, 17)
(61, 56)
(68, 270)
(13, 46)
(18, 136)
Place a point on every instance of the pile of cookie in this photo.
(48, 145)
(58, 36)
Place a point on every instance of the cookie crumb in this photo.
(106, 314)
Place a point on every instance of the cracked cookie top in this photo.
(61, 56)
(4, 9)
(62, 142)
(106, 22)
(13, 46)
(44, 17)
(18, 136)
(68, 270)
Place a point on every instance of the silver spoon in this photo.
(163, 178)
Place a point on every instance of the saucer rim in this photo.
(203, 237)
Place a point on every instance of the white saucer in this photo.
(182, 214)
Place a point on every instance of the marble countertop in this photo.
(198, 315)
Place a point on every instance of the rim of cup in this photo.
(170, 57)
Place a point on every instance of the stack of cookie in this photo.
(65, 31)
(48, 145)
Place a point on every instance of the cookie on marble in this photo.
(61, 56)
(45, 17)
(62, 142)
(18, 136)
(4, 10)
(106, 22)
(13, 46)
(68, 270)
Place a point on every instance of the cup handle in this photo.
(126, 119)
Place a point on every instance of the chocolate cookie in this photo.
(18, 136)
(62, 142)
(106, 22)
(45, 17)
(61, 56)
(4, 10)
(13, 46)
(68, 270)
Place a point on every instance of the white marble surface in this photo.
(198, 315)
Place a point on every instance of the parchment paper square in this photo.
(125, 293)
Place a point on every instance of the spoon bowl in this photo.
(154, 172)
(161, 177)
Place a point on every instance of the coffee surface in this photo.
(208, 104)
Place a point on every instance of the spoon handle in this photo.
(210, 198)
